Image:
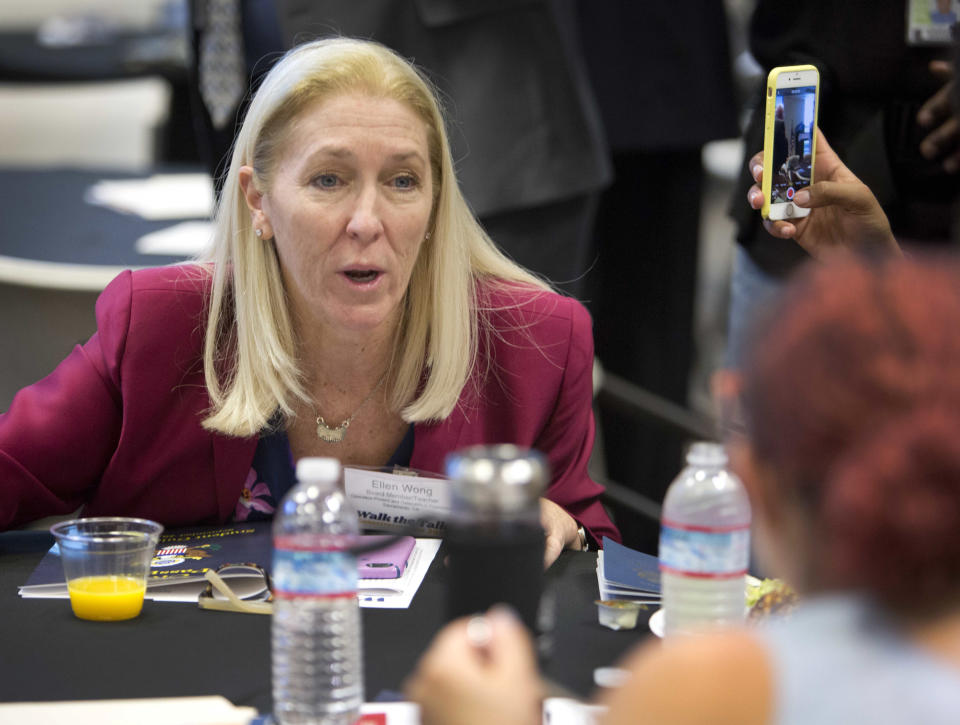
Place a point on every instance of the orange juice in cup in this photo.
(106, 598)
(106, 561)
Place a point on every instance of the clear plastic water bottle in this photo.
(704, 544)
(317, 638)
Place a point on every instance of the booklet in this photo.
(624, 573)
(184, 555)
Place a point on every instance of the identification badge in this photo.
(929, 22)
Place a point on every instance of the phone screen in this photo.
(792, 141)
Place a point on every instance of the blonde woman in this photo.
(351, 307)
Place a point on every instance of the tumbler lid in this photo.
(502, 478)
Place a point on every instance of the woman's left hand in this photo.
(478, 677)
(560, 531)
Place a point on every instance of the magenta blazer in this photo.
(116, 427)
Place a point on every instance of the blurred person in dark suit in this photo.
(525, 131)
(236, 41)
(661, 74)
(884, 105)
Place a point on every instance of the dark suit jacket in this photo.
(871, 86)
(660, 71)
(116, 427)
(524, 128)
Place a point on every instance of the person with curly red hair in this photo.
(851, 456)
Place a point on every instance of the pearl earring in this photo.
(259, 233)
(426, 237)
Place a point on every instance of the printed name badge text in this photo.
(393, 501)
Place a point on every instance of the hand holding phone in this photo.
(847, 215)
(790, 140)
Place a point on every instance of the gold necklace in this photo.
(337, 433)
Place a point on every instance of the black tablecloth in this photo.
(176, 649)
(45, 218)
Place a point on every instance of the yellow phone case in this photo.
(768, 125)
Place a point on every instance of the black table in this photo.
(47, 222)
(176, 649)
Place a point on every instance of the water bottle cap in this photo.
(318, 470)
(503, 478)
(706, 453)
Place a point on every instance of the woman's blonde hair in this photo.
(249, 357)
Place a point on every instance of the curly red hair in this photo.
(852, 395)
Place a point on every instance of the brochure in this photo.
(624, 573)
(182, 558)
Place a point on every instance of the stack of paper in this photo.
(623, 573)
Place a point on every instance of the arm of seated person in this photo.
(845, 215)
(721, 678)
(567, 440)
(560, 529)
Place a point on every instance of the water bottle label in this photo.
(704, 552)
(305, 573)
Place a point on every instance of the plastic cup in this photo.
(106, 561)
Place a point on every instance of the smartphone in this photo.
(387, 563)
(790, 138)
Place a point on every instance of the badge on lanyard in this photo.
(930, 22)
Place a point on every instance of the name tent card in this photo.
(399, 501)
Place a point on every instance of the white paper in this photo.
(160, 711)
(398, 713)
(398, 593)
(186, 239)
(393, 501)
(161, 196)
(567, 711)
(212, 710)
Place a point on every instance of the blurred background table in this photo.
(89, 90)
(57, 254)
